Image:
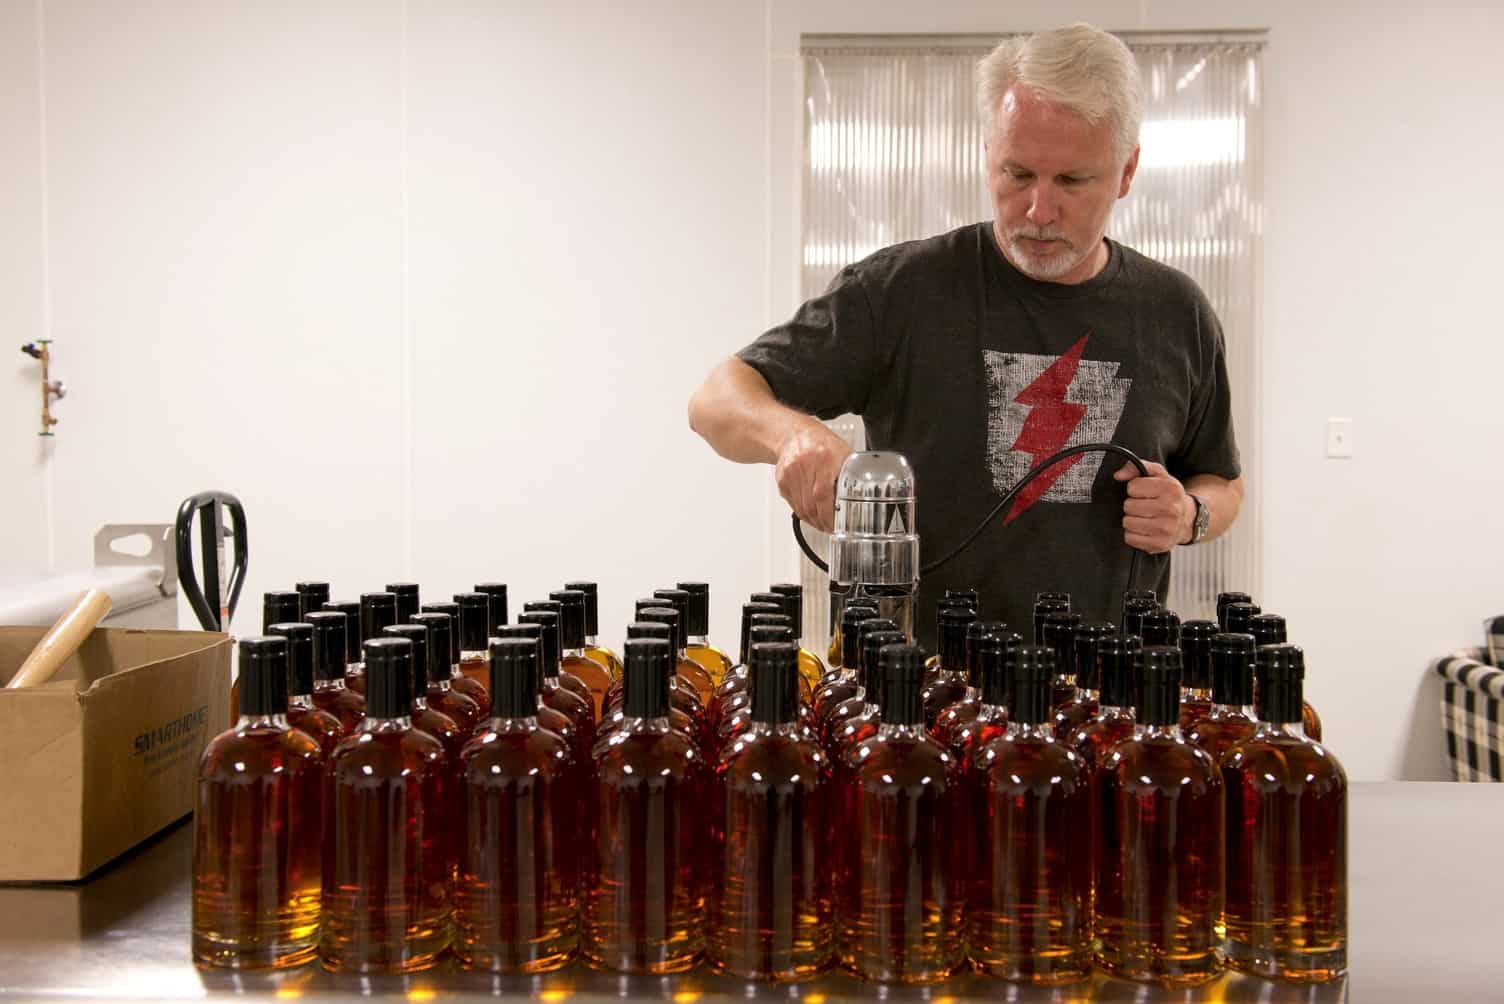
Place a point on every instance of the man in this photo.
(980, 352)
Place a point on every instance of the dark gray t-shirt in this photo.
(976, 372)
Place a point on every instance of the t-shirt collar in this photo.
(1059, 290)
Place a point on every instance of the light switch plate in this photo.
(1339, 438)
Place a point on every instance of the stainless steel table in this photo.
(1424, 893)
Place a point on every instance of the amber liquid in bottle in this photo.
(770, 907)
(603, 655)
(341, 702)
(1029, 909)
(643, 908)
(257, 822)
(1286, 842)
(715, 662)
(595, 677)
(516, 902)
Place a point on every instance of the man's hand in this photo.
(809, 460)
(1158, 514)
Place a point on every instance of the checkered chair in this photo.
(1471, 701)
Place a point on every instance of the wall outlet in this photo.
(1339, 438)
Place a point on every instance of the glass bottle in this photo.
(1160, 860)
(549, 613)
(1115, 719)
(316, 723)
(811, 668)
(425, 717)
(737, 711)
(696, 674)
(994, 653)
(683, 715)
(378, 611)
(1238, 617)
(953, 720)
(792, 608)
(1086, 702)
(1161, 627)
(475, 630)
(279, 608)
(900, 903)
(699, 648)
(578, 724)
(407, 599)
(1135, 609)
(1223, 601)
(1231, 719)
(573, 660)
(1286, 838)
(473, 689)
(1196, 662)
(351, 612)
(497, 615)
(1029, 904)
(1045, 605)
(256, 828)
(947, 684)
(735, 681)
(593, 647)
(770, 909)
(330, 654)
(856, 718)
(387, 870)
(645, 862)
(516, 906)
(1059, 634)
(449, 690)
(840, 685)
(958, 599)
(1270, 629)
(311, 598)
(834, 652)
(688, 674)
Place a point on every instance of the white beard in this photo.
(1043, 267)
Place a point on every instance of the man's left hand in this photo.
(1158, 514)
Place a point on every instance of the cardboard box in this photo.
(106, 753)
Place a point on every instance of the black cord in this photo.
(1004, 503)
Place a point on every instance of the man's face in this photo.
(1053, 179)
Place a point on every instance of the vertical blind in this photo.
(893, 152)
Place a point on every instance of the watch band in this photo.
(1201, 522)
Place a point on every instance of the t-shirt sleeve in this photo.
(821, 361)
(1209, 445)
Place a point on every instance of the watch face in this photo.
(1203, 519)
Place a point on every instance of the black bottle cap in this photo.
(1058, 631)
(1238, 616)
(770, 633)
(329, 652)
(868, 675)
(678, 600)
(966, 596)
(953, 622)
(1281, 672)
(775, 681)
(1196, 653)
(279, 608)
(515, 679)
(1043, 609)
(571, 617)
(389, 677)
(793, 603)
(1053, 597)
(1232, 669)
(475, 621)
(548, 647)
(1033, 670)
(1141, 594)
(698, 614)
(351, 612)
(1134, 611)
(407, 599)
(1159, 675)
(1223, 600)
(650, 629)
(901, 672)
(263, 676)
(669, 616)
(1268, 629)
(377, 611)
(440, 643)
(311, 596)
(851, 626)
(864, 604)
(497, 591)
(532, 633)
(418, 635)
(975, 632)
(769, 597)
(1084, 653)
(1162, 627)
(453, 610)
(648, 663)
(299, 637)
(592, 605)
(1117, 655)
(870, 626)
(992, 653)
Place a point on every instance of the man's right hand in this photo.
(809, 461)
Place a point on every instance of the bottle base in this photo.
(510, 963)
(209, 953)
(1182, 971)
(1286, 964)
(410, 956)
(1052, 970)
(638, 966)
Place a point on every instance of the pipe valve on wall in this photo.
(51, 389)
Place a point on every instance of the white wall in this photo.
(429, 292)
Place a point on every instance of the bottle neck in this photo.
(299, 702)
(1063, 680)
(894, 730)
(592, 641)
(1235, 711)
(321, 686)
(1171, 731)
(658, 725)
(702, 640)
(1122, 711)
(440, 686)
(1203, 694)
(260, 721)
(420, 702)
(1087, 696)
(1292, 730)
(369, 724)
(786, 730)
(525, 724)
(1041, 731)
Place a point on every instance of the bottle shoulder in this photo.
(626, 754)
(1142, 764)
(516, 751)
(901, 762)
(772, 760)
(1030, 754)
(243, 753)
(1267, 761)
(382, 745)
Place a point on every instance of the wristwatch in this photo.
(1200, 523)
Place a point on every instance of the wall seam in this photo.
(407, 319)
(46, 445)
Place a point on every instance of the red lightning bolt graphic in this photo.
(1049, 425)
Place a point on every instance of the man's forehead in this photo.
(1030, 125)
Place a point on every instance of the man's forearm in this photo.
(1223, 498)
(736, 413)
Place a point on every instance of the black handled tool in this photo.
(215, 604)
